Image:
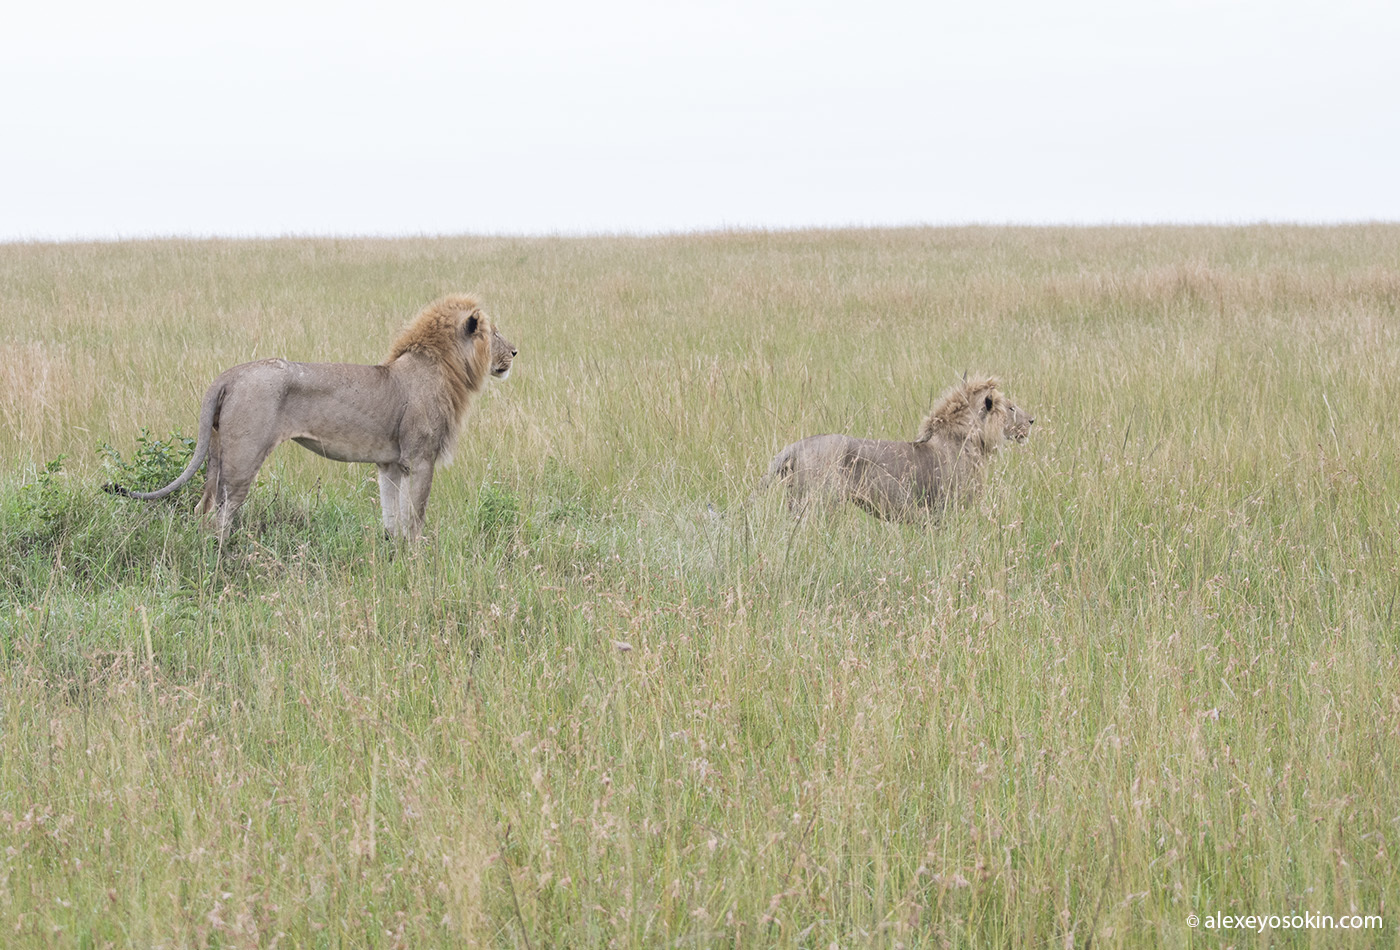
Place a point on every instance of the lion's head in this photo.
(976, 413)
(456, 334)
(502, 354)
(1018, 424)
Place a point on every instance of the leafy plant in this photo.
(42, 503)
(37, 517)
(155, 463)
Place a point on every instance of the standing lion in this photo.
(903, 481)
(403, 415)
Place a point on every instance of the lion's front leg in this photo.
(392, 498)
(413, 499)
(403, 494)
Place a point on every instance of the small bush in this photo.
(155, 464)
(40, 509)
(54, 531)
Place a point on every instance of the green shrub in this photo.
(39, 510)
(155, 464)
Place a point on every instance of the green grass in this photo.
(1153, 673)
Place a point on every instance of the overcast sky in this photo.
(543, 116)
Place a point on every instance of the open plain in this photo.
(614, 700)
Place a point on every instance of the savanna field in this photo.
(615, 698)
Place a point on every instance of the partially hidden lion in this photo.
(403, 415)
(905, 481)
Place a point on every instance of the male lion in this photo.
(946, 463)
(403, 414)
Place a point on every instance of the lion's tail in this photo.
(208, 413)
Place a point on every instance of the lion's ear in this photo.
(987, 406)
(473, 321)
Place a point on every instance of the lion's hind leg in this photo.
(212, 502)
(231, 478)
(213, 469)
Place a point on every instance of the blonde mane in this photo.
(437, 334)
(955, 418)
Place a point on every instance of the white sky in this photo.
(544, 116)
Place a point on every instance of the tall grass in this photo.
(1152, 674)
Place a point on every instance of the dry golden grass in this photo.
(1154, 673)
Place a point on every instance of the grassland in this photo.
(1153, 674)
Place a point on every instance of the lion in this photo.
(904, 481)
(403, 415)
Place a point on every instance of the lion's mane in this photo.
(436, 335)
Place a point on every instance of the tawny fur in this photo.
(403, 415)
(944, 465)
